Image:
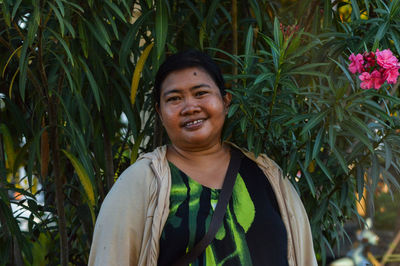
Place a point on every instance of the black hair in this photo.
(186, 59)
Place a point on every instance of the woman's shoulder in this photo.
(261, 159)
(140, 174)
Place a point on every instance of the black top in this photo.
(252, 233)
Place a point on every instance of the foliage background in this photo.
(76, 80)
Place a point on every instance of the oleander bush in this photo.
(76, 106)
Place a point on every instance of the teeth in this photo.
(194, 122)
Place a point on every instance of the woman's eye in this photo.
(171, 99)
(200, 93)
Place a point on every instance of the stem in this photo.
(17, 252)
(55, 150)
(234, 35)
(278, 76)
(392, 247)
(108, 155)
(42, 69)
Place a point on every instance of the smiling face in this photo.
(192, 108)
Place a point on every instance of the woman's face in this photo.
(192, 108)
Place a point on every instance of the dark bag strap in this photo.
(216, 220)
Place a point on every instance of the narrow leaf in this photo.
(161, 27)
(83, 178)
(8, 145)
(313, 122)
(138, 71)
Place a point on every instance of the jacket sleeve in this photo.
(120, 225)
(300, 227)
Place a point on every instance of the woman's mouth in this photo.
(194, 124)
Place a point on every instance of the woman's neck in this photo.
(206, 166)
(198, 155)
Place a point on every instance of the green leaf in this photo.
(104, 41)
(243, 123)
(83, 39)
(277, 33)
(317, 144)
(77, 7)
(297, 119)
(116, 10)
(161, 27)
(361, 124)
(14, 11)
(388, 155)
(374, 172)
(324, 168)
(379, 35)
(345, 71)
(85, 181)
(211, 13)
(309, 180)
(61, 7)
(111, 21)
(358, 135)
(309, 66)
(232, 110)
(59, 18)
(356, 9)
(93, 83)
(64, 45)
(313, 122)
(332, 135)
(6, 13)
(127, 42)
(341, 159)
(257, 12)
(301, 51)
(262, 77)
(248, 48)
(320, 211)
(70, 28)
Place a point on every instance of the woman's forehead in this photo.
(192, 76)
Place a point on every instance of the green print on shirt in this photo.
(186, 195)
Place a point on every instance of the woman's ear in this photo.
(227, 100)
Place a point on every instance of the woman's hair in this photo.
(187, 59)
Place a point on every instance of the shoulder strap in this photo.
(216, 220)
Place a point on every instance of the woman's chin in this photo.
(197, 141)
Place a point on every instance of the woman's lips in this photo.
(194, 124)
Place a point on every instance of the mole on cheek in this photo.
(194, 74)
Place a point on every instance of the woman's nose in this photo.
(190, 106)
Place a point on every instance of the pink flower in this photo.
(370, 58)
(377, 79)
(373, 80)
(390, 75)
(357, 62)
(366, 83)
(386, 59)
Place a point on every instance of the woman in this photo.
(162, 205)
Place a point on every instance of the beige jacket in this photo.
(133, 214)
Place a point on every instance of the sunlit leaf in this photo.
(138, 70)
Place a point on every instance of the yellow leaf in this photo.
(12, 82)
(311, 167)
(138, 71)
(9, 59)
(84, 179)
(9, 147)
